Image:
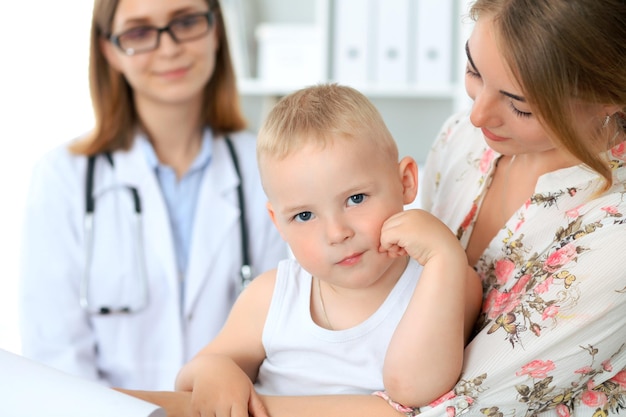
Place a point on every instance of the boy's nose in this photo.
(338, 231)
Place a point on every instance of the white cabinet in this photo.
(413, 110)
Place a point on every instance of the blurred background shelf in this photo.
(289, 44)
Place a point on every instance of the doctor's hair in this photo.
(566, 54)
(115, 115)
(320, 115)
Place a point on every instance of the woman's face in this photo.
(502, 113)
(499, 108)
(173, 73)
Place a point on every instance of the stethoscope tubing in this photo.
(246, 272)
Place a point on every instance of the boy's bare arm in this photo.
(431, 336)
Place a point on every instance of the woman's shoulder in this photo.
(61, 158)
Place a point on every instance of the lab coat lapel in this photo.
(215, 214)
(132, 168)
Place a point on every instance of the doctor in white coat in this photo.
(130, 299)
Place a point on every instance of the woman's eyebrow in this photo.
(513, 96)
(506, 93)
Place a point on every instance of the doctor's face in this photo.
(329, 203)
(174, 72)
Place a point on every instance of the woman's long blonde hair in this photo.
(564, 53)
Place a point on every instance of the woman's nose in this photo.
(168, 43)
(485, 110)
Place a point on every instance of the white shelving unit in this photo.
(414, 113)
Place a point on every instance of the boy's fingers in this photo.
(256, 407)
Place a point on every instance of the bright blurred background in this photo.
(44, 97)
(44, 101)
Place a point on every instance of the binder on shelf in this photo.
(392, 39)
(238, 32)
(353, 38)
(433, 42)
(290, 54)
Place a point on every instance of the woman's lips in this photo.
(175, 73)
(491, 136)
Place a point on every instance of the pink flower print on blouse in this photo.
(537, 369)
(562, 410)
(485, 160)
(544, 287)
(550, 312)
(619, 151)
(498, 302)
(560, 258)
(620, 379)
(469, 218)
(612, 211)
(573, 213)
(585, 370)
(594, 399)
(504, 269)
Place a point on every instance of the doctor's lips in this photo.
(174, 73)
(491, 136)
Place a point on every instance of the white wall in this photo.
(44, 101)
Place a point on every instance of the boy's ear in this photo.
(408, 177)
(272, 214)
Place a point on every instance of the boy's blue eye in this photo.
(305, 216)
(356, 199)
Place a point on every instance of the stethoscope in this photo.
(90, 205)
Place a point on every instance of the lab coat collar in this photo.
(200, 162)
(216, 215)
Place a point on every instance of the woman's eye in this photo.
(187, 22)
(138, 34)
(470, 72)
(305, 216)
(520, 113)
(356, 199)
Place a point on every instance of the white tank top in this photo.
(306, 359)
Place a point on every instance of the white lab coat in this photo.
(144, 350)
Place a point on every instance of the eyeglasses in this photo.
(146, 38)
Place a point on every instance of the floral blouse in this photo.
(551, 338)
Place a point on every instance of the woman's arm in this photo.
(54, 328)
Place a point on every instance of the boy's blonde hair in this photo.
(322, 114)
